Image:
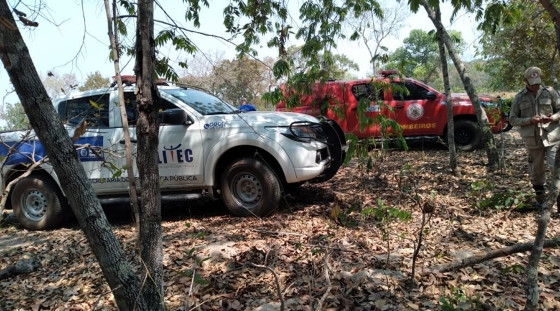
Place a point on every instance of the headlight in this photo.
(301, 131)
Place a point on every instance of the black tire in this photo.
(250, 188)
(38, 203)
(467, 135)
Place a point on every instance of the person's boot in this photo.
(558, 205)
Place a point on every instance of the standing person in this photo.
(245, 105)
(536, 110)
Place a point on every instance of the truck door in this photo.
(92, 146)
(179, 148)
(366, 109)
(415, 108)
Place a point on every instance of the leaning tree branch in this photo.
(502, 252)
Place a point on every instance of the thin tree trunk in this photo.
(532, 286)
(147, 129)
(555, 15)
(112, 24)
(447, 88)
(70, 172)
(487, 135)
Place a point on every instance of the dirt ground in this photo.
(347, 244)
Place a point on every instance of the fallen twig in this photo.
(476, 259)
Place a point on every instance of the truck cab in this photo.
(361, 106)
(207, 147)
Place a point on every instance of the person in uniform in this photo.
(536, 111)
(246, 106)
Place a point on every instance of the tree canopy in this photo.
(525, 41)
(94, 81)
(14, 116)
(419, 56)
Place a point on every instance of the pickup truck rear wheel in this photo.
(250, 188)
(467, 135)
(37, 203)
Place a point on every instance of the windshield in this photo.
(200, 101)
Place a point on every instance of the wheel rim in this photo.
(34, 205)
(247, 190)
(463, 137)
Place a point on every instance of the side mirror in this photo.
(175, 116)
(430, 96)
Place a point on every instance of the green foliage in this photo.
(281, 68)
(515, 269)
(344, 216)
(518, 34)
(192, 273)
(14, 116)
(419, 56)
(458, 300)
(193, 9)
(94, 81)
(486, 196)
(129, 7)
(386, 214)
(117, 171)
(163, 69)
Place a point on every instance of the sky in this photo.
(71, 40)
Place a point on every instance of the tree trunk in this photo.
(112, 24)
(487, 135)
(555, 15)
(532, 286)
(447, 88)
(147, 129)
(62, 155)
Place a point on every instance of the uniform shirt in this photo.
(247, 107)
(525, 106)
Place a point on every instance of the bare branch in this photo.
(276, 279)
(502, 252)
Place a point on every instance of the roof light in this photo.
(131, 79)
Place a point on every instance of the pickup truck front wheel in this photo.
(38, 203)
(250, 188)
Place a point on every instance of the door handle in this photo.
(134, 141)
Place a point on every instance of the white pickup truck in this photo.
(206, 148)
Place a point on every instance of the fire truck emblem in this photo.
(415, 111)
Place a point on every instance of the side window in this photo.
(366, 91)
(130, 104)
(93, 109)
(408, 91)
